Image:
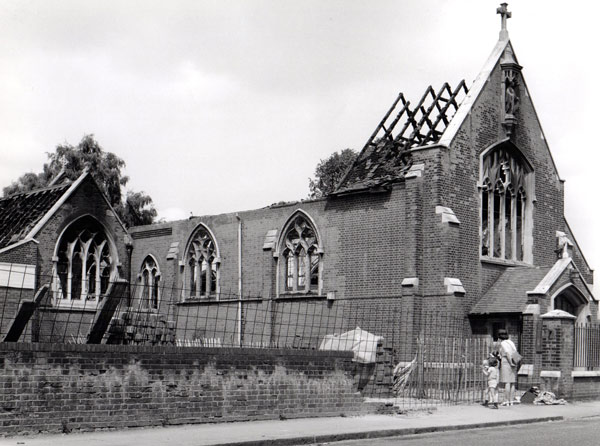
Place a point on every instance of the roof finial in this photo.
(505, 14)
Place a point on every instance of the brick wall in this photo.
(52, 388)
(557, 355)
(372, 241)
(586, 387)
(86, 200)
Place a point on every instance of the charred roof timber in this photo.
(403, 127)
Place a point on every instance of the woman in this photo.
(508, 372)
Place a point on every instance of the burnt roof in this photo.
(19, 213)
(386, 157)
(509, 293)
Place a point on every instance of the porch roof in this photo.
(509, 293)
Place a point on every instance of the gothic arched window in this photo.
(84, 263)
(202, 265)
(149, 284)
(301, 256)
(505, 181)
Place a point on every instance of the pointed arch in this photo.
(299, 256)
(201, 264)
(571, 299)
(506, 183)
(149, 279)
(85, 261)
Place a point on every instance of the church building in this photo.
(453, 207)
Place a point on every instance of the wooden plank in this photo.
(26, 310)
(106, 310)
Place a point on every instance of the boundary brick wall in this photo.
(586, 387)
(54, 388)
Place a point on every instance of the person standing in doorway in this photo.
(508, 369)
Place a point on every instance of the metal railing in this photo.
(586, 351)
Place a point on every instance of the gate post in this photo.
(557, 356)
(530, 348)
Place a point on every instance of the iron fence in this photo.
(586, 352)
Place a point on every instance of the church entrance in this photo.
(571, 300)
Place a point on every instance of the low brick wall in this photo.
(586, 385)
(50, 387)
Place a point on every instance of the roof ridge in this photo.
(41, 189)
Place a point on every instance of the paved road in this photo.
(561, 433)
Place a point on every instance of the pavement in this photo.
(318, 430)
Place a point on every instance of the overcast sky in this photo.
(218, 106)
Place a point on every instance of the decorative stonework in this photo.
(564, 245)
(510, 91)
(415, 171)
(448, 215)
(453, 286)
(558, 314)
(410, 282)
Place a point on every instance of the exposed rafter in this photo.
(385, 157)
(423, 124)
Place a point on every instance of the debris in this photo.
(548, 398)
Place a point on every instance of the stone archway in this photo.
(570, 299)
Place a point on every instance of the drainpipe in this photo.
(129, 248)
(239, 314)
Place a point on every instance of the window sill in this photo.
(503, 262)
(73, 306)
(300, 295)
(213, 300)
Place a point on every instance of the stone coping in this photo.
(585, 373)
(550, 374)
(169, 349)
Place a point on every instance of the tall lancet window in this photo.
(506, 177)
(149, 284)
(301, 256)
(202, 265)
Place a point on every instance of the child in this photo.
(490, 369)
(485, 365)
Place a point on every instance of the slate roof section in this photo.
(19, 213)
(385, 158)
(509, 293)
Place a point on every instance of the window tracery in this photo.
(504, 206)
(84, 263)
(149, 284)
(300, 249)
(203, 265)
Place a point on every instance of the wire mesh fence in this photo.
(412, 354)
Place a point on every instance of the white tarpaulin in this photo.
(361, 342)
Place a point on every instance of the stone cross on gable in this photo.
(504, 14)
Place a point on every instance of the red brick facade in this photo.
(404, 251)
(372, 241)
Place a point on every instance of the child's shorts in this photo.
(493, 384)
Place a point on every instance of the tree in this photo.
(329, 172)
(137, 208)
